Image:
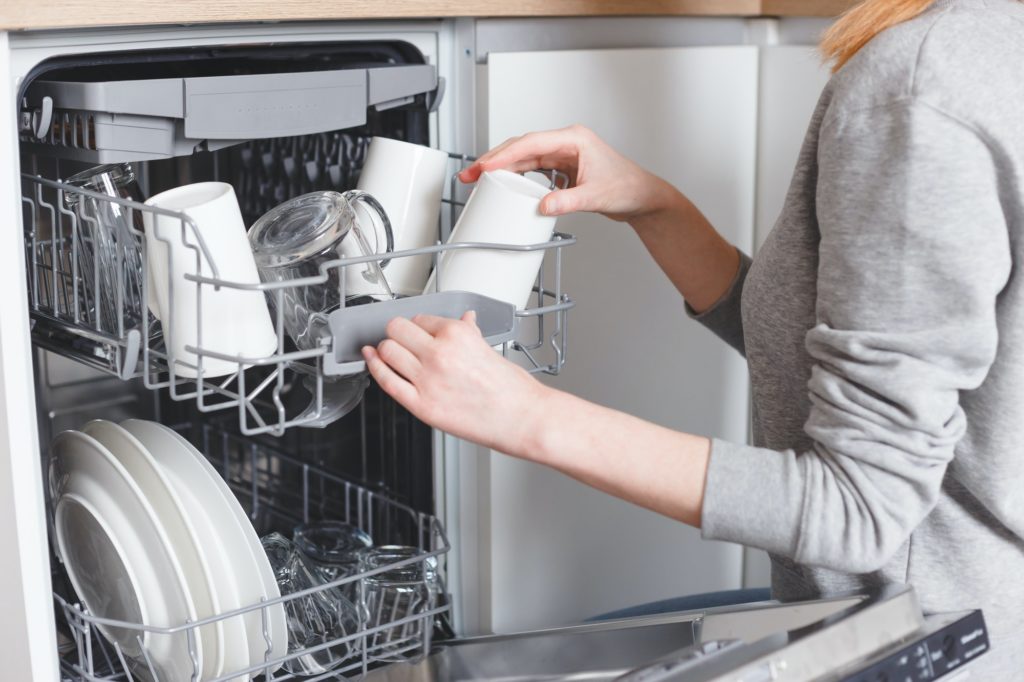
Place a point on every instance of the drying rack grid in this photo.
(66, 318)
(279, 490)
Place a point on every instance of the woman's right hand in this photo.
(601, 180)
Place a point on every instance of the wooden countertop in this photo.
(38, 14)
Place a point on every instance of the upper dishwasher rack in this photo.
(159, 118)
(269, 394)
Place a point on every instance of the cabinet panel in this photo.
(561, 552)
(791, 80)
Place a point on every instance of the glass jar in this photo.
(334, 549)
(314, 619)
(299, 238)
(395, 594)
(109, 248)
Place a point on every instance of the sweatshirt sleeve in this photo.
(723, 318)
(914, 251)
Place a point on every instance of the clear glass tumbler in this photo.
(334, 549)
(313, 619)
(297, 239)
(110, 254)
(396, 594)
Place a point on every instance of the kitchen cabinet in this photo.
(790, 81)
(690, 115)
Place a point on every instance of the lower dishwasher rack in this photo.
(64, 318)
(280, 491)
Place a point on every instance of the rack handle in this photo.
(356, 326)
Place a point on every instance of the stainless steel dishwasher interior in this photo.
(605, 651)
(582, 652)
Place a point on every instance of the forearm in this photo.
(640, 462)
(697, 259)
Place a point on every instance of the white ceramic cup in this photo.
(504, 208)
(408, 181)
(234, 321)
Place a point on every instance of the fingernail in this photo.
(551, 206)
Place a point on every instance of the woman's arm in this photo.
(446, 375)
(697, 259)
(913, 254)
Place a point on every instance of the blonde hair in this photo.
(863, 22)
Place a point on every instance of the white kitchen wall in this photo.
(561, 552)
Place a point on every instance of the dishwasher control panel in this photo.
(948, 642)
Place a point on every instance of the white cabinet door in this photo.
(559, 551)
(791, 80)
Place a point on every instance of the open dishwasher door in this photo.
(853, 638)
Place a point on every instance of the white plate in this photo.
(101, 554)
(245, 559)
(194, 542)
(117, 554)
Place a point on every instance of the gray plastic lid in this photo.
(300, 228)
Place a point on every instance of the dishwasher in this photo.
(278, 114)
(276, 122)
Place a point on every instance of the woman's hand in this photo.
(446, 375)
(700, 263)
(601, 180)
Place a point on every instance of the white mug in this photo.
(408, 181)
(504, 208)
(234, 321)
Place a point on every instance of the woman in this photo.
(882, 323)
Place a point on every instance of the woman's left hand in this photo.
(446, 375)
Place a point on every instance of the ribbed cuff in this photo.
(753, 496)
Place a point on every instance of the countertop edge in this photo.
(21, 15)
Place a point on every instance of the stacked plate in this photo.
(150, 534)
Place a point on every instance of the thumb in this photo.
(469, 316)
(563, 201)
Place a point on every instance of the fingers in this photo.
(437, 325)
(563, 201)
(470, 317)
(432, 324)
(472, 173)
(400, 359)
(409, 334)
(556, 147)
(389, 381)
(553, 148)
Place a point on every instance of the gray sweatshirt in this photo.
(883, 322)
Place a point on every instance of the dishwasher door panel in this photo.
(27, 627)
